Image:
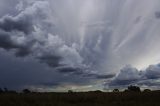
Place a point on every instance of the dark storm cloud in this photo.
(126, 76)
(83, 73)
(19, 23)
(105, 76)
(52, 61)
(149, 83)
(69, 70)
(23, 51)
(130, 75)
(28, 34)
(153, 72)
(6, 41)
(19, 73)
(50, 84)
(22, 26)
(81, 41)
(12, 28)
(157, 14)
(98, 76)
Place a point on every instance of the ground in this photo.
(81, 99)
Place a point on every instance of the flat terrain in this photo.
(81, 99)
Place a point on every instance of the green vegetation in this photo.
(129, 98)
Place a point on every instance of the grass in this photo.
(81, 99)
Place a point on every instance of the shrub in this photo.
(70, 91)
(116, 90)
(26, 91)
(5, 90)
(134, 88)
(1, 91)
(146, 90)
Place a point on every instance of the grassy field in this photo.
(81, 99)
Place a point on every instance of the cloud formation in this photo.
(27, 33)
(88, 39)
(16, 32)
(132, 76)
(126, 76)
(157, 14)
(30, 33)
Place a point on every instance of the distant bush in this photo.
(98, 91)
(116, 90)
(1, 91)
(5, 90)
(12, 91)
(70, 91)
(146, 90)
(26, 91)
(126, 90)
(134, 88)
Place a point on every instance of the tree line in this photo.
(129, 89)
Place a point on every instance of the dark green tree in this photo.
(146, 90)
(1, 91)
(26, 91)
(116, 90)
(134, 88)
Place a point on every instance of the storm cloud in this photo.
(83, 41)
(24, 34)
(132, 76)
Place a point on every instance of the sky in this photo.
(58, 45)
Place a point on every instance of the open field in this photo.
(81, 99)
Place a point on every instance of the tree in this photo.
(116, 90)
(5, 90)
(26, 91)
(70, 91)
(98, 91)
(146, 90)
(126, 90)
(1, 91)
(134, 88)
(12, 91)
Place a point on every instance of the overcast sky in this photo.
(57, 45)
